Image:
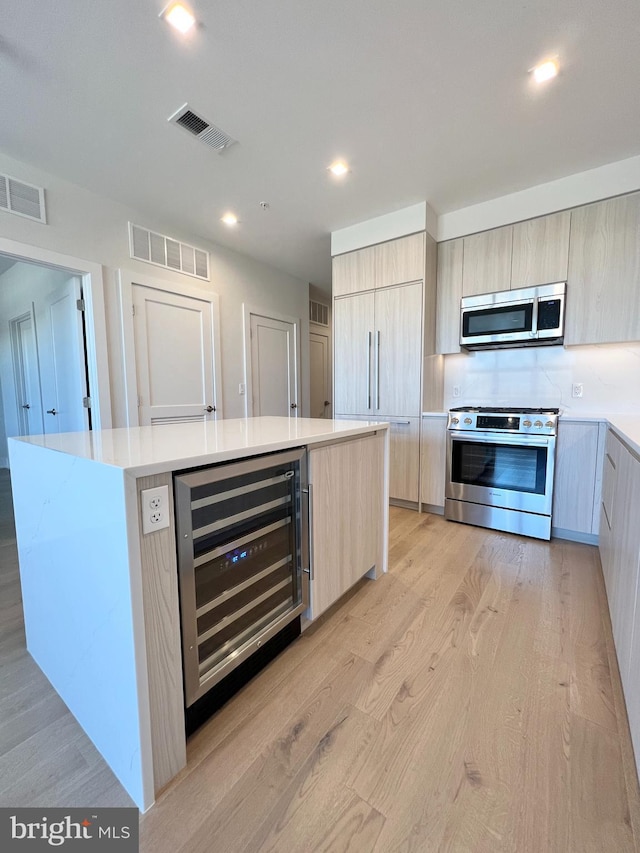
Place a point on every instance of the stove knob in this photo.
(549, 424)
(468, 421)
(455, 421)
(526, 423)
(538, 424)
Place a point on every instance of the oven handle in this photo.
(524, 440)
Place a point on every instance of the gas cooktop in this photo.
(506, 411)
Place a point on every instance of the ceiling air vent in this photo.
(201, 129)
(162, 251)
(318, 313)
(22, 199)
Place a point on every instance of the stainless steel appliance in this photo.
(529, 316)
(243, 545)
(500, 466)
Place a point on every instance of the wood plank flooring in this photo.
(467, 701)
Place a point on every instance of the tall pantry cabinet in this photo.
(384, 324)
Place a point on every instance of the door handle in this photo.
(209, 409)
(51, 412)
(294, 405)
(309, 492)
(378, 372)
(327, 402)
(26, 406)
(369, 374)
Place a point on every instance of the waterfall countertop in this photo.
(142, 451)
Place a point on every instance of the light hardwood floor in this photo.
(467, 701)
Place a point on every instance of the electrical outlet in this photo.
(576, 389)
(456, 390)
(241, 389)
(154, 504)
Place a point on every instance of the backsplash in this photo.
(543, 376)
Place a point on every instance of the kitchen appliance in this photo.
(529, 316)
(499, 468)
(243, 545)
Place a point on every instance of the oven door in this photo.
(508, 471)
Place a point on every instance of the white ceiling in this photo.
(426, 99)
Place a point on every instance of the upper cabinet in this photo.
(449, 293)
(603, 304)
(385, 264)
(487, 262)
(540, 250)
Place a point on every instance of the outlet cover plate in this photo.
(154, 507)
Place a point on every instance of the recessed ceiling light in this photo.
(339, 168)
(179, 17)
(545, 71)
(230, 219)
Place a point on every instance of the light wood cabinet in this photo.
(354, 328)
(400, 260)
(433, 460)
(449, 294)
(354, 272)
(398, 350)
(487, 262)
(385, 264)
(576, 488)
(604, 272)
(620, 535)
(347, 516)
(540, 252)
(404, 459)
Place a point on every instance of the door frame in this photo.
(125, 281)
(94, 319)
(247, 311)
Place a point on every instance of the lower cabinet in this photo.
(577, 481)
(620, 557)
(348, 516)
(433, 460)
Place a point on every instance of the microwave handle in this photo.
(534, 319)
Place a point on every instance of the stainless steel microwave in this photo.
(529, 316)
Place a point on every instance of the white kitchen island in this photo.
(100, 599)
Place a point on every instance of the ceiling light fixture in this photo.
(339, 168)
(545, 71)
(179, 17)
(230, 219)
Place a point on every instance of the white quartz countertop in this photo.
(146, 450)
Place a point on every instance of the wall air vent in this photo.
(201, 129)
(22, 199)
(318, 313)
(162, 251)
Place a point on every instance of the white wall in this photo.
(539, 376)
(20, 286)
(85, 225)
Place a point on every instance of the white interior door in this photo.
(319, 375)
(63, 374)
(273, 366)
(174, 353)
(27, 373)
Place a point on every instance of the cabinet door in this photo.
(631, 674)
(353, 321)
(347, 482)
(398, 350)
(432, 460)
(608, 527)
(540, 250)
(404, 459)
(448, 297)
(400, 261)
(487, 262)
(604, 272)
(575, 476)
(354, 272)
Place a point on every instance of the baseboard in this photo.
(574, 536)
(403, 504)
(434, 509)
(4, 461)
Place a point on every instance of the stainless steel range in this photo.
(500, 465)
